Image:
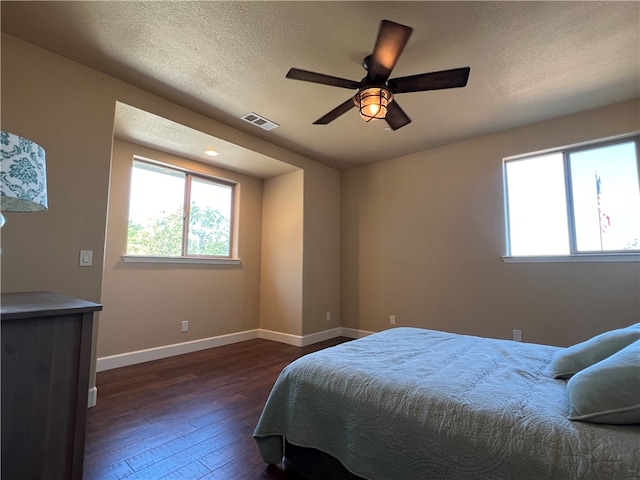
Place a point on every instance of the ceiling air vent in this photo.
(259, 121)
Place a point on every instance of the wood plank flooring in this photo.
(187, 417)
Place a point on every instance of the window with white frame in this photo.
(176, 213)
(582, 200)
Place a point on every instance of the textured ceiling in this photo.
(149, 130)
(529, 61)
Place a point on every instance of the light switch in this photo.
(86, 258)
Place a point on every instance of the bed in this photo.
(409, 404)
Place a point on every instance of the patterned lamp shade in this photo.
(23, 177)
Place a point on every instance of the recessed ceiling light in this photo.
(211, 152)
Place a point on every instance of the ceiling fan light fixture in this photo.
(372, 102)
(374, 92)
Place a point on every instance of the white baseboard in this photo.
(353, 333)
(157, 353)
(93, 397)
(303, 341)
(297, 340)
(140, 356)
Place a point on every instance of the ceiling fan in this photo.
(375, 96)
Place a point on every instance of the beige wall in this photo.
(423, 236)
(69, 110)
(419, 237)
(147, 302)
(300, 276)
(54, 103)
(282, 247)
(321, 265)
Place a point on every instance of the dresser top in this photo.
(14, 306)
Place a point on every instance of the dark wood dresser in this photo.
(46, 356)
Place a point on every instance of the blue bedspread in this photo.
(408, 404)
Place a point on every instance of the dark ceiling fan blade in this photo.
(396, 118)
(392, 37)
(336, 112)
(306, 76)
(455, 78)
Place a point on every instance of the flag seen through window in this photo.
(579, 200)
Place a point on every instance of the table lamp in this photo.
(23, 176)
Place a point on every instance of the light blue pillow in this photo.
(571, 360)
(609, 391)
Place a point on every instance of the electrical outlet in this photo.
(328, 316)
(517, 335)
(392, 319)
(185, 326)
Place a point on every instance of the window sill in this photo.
(182, 260)
(592, 257)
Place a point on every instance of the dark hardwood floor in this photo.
(187, 417)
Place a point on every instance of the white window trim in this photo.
(612, 257)
(193, 259)
(182, 260)
(578, 258)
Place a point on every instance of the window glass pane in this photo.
(537, 212)
(209, 218)
(155, 211)
(606, 199)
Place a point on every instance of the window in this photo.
(578, 201)
(173, 213)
